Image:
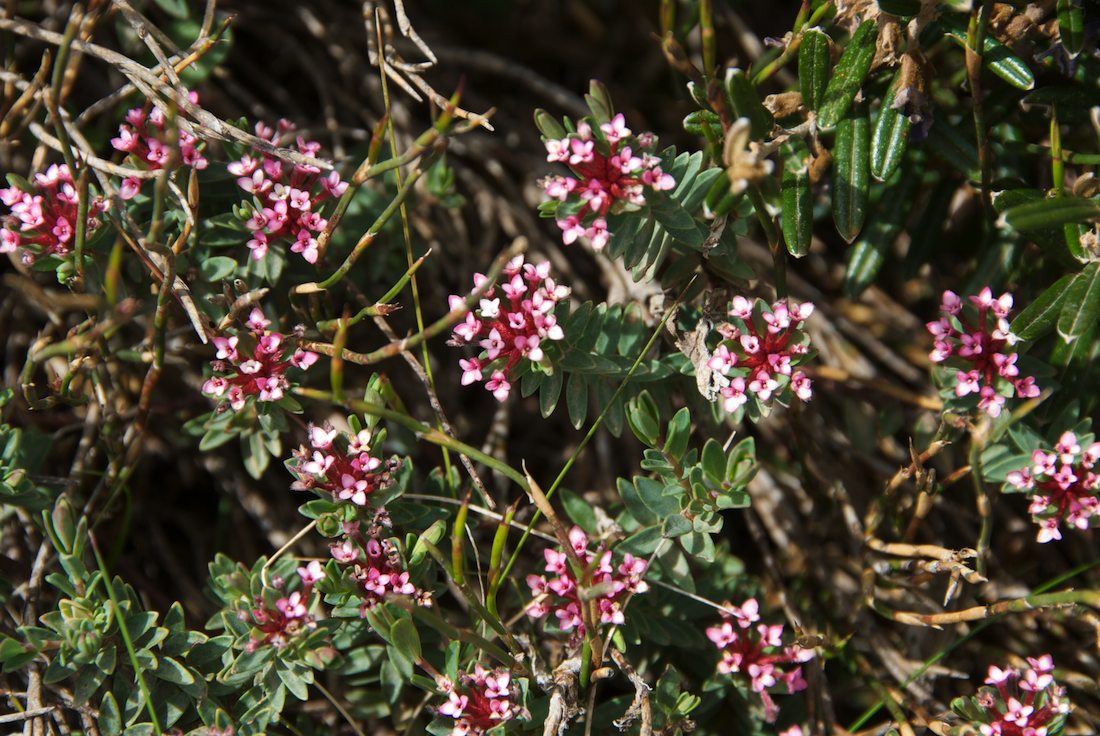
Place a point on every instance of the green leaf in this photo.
(549, 391)
(110, 720)
(293, 681)
(679, 432)
(1039, 317)
(576, 398)
(432, 535)
(655, 495)
(1082, 303)
(997, 57)
(217, 268)
(745, 103)
(848, 75)
(1071, 26)
(714, 460)
(634, 503)
(579, 511)
(643, 418)
(698, 120)
(851, 182)
(890, 137)
(405, 638)
(813, 67)
(255, 454)
(1053, 212)
(175, 8)
(172, 671)
(869, 252)
(797, 216)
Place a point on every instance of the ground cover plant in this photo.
(502, 368)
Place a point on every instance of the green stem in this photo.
(780, 61)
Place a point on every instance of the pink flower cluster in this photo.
(758, 653)
(43, 221)
(612, 168)
(976, 342)
(254, 363)
(480, 702)
(561, 593)
(290, 616)
(288, 198)
(509, 326)
(1062, 485)
(759, 351)
(341, 466)
(144, 138)
(374, 563)
(1016, 703)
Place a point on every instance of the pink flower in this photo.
(1061, 484)
(1017, 704)
(976, 342)
(509, 327)
(607, 177)
(42, 222)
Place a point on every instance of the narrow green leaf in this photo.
(813, 67)
(679, 432)
(745, 103)
(797, 216)
(1082, 303)
(848, 75)
(890, 137)
(1071, 26)
(996, 57)
(869, 252)
(851, 180)
(1053, 212)
(1039, 317)
(696, 121)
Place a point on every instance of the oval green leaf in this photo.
(1081, 306)
(1047, 213)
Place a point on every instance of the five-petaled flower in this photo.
(1017, 703)
(254, 363)
(341, 467)
(287, 198)
(755, 650)
(564, 593)
(144, 138)
(612, 171)
(760, 349)
(43, 220)
(1062, 483)
(975, 341)
(480, 701)
(509, 325)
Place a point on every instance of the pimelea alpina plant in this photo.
(480, 701)
(44, 215)
(252, 364)
(144, 139)
(1062, 485)
(288, 199)
(564, 593)
(341, 467)
(510, 325)
(759, 352)
(975, 341)
(758, 653)
(612, 169)
(1017, 703)
(277, 625)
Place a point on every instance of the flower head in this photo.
(611, 173)
(43, 218)
(1017, 702)
(340, 467)
(480, 701)
(1063, 485)
(755, 651)
(510, 325)
(608, 584)
(288, 199)
(761, 348)
(145, 140)
(976, 343)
